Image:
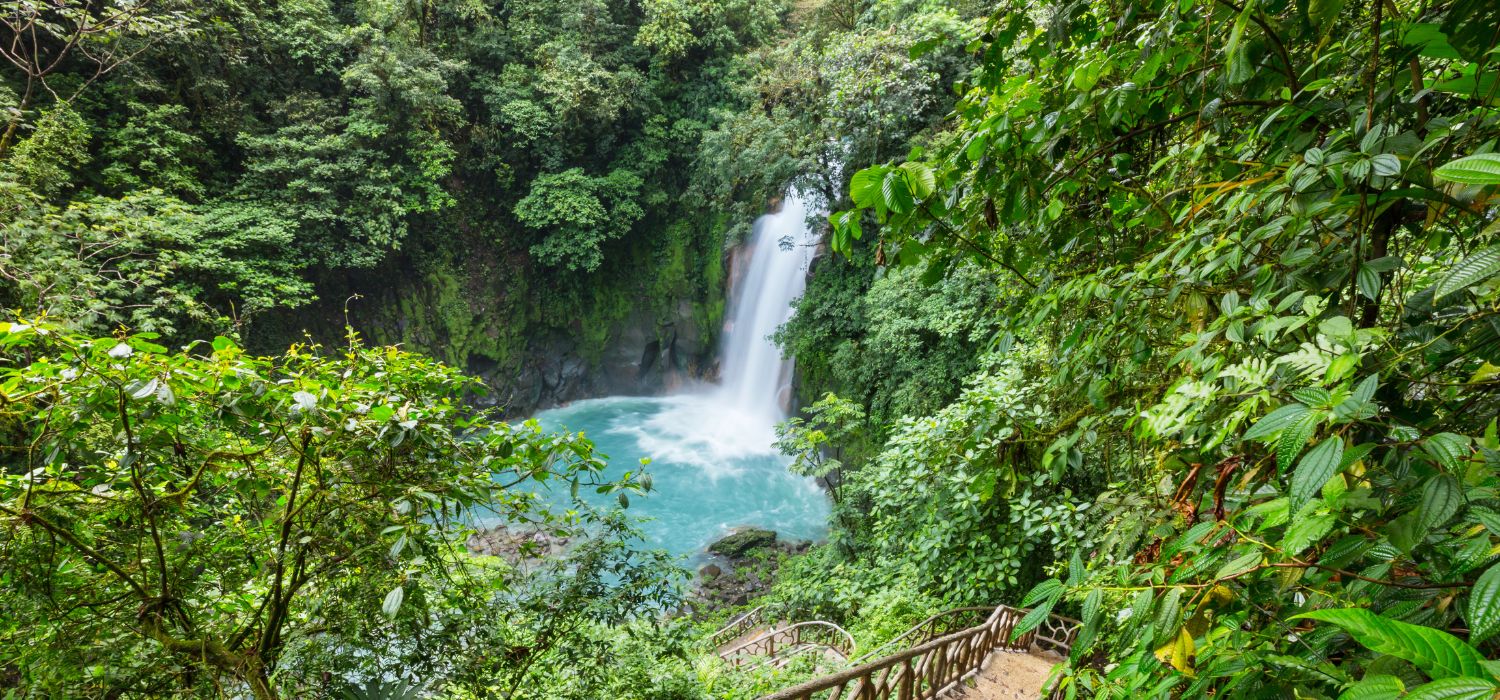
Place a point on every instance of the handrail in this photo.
(815, 632)
(946, 622)
(932, 668)
(736, 627)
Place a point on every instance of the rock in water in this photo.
(738, 544)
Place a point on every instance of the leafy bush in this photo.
(184, 521)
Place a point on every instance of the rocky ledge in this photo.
(517, 546)
(743, 566)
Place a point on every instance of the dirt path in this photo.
(1009, 676)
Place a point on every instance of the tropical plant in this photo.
(183, 521)
(1256, 245)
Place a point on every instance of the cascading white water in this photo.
(713, 455)
(754, 376)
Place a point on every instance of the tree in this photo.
(43, 39)
(204, 518)
(580, 213)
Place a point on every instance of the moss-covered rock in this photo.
(741, 543)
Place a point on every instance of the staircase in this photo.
(746, 642)
(929, 661)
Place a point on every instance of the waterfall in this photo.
(712, 450)
(754, 377)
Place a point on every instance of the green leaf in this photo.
(1050, 589)
(1441, 497)
(864, 187)
(1429, 40)
(1376, 687)
(1474, 269)
(1294, 438)
(1368, 282)
(1386, 165)
(1238, 566)
(1484, 606)
(919, 179)
(1276, 421)
(1439, 654)
(392, 602)
(1446, 448)
(1466, 688)
(1166, 615)
(1315, 469)
(1091, 604)
(1478, 169)
(1031, 620)
(382, 413)
(895, 193)
(1306, 530)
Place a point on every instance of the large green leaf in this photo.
(1276, 421)
(1439, 654)
(864, 187)
(392, 602)
(1484, 606)
(1168, 612)
(1478, 169)
(1051, 589)
(1375, 687)
(1470, 27)
(920, 179)
(1455, 689)
(1032, 620)
(1474, 269)
(895, 192)
(1315, 469)
(1091, 605)
(1239, 565)
(1294, 438)
(1441, 497)
(1306, 529)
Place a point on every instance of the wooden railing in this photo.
(946, 622)
(932, 668)
(737, 627)
(791, 640)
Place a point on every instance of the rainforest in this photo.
(735, 349)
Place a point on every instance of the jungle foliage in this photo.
(209, 522)
(1176, 316)
(1238, 412)
(192, 168)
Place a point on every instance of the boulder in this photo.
(710, 572)
(740, 543)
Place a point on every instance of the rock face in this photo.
(479, 312)
(744, 566)
(646, 356)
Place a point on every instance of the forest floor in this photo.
(1009, 676)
